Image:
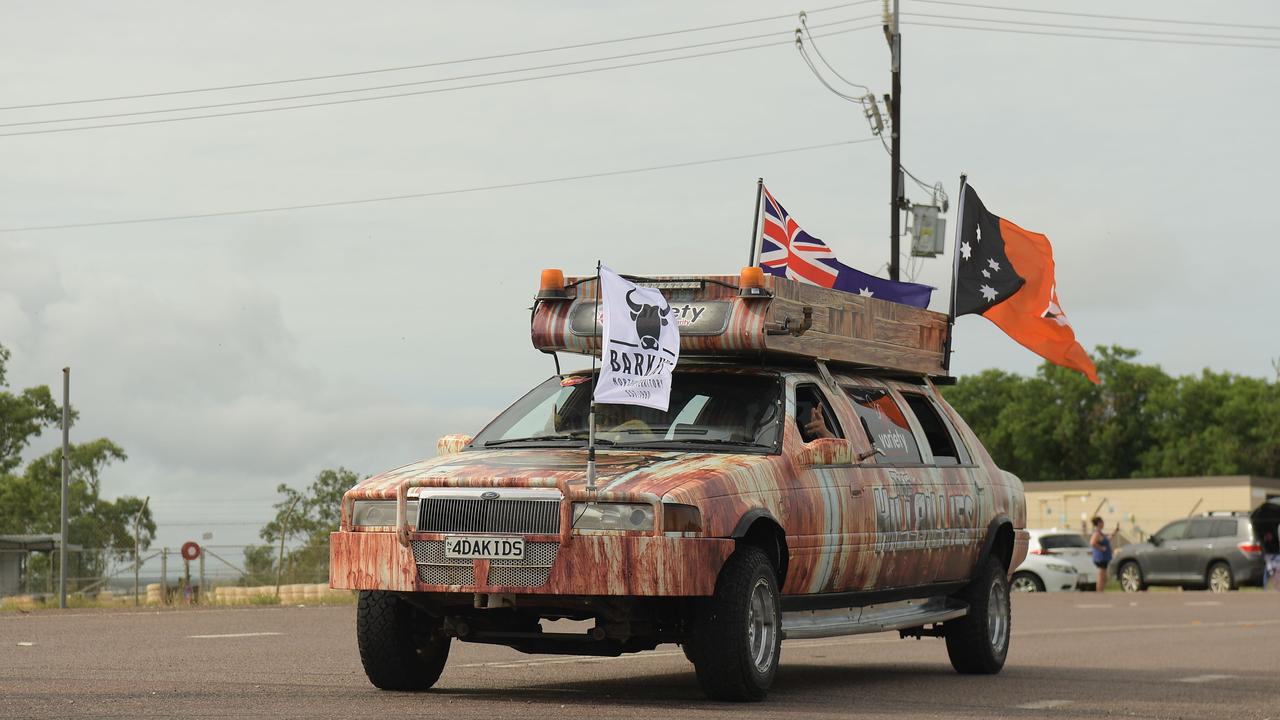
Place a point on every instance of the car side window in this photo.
(1173, 531)
(936, 432)
(814, 416)
(1224, 528)
(885, 424)
(1200, 529)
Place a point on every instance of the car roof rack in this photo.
(758, 320)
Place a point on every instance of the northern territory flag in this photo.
(1005, 274)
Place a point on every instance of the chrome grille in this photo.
(521, 576)
(446, 575)
(534, 570)
(474, 515)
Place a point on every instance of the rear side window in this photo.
(936, 433)
(885, 424)
(1057, 542)
(1224, 528)
(1200, 529)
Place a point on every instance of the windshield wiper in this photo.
(539, 438)
(698, 441)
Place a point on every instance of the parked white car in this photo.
(1069, 546)
(1044, 573)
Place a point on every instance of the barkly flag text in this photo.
(641, 344)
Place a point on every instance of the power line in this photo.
(1103, 17)
(804, 22)
(437, 193)
(1092, 27)
(1046, 33)
(414, 83)
(494, 83)
(398, 68)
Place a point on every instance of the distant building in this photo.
(1142, 506)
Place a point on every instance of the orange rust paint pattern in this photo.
(849, 527)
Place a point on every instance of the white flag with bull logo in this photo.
(641, 344)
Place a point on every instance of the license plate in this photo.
(483, 548)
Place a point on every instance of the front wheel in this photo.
(736, 644)
(401, 647)
(1131, 577)
(978, 643)
(1026, 582)
(1220, 578)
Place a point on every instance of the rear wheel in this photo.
(1130, 576)
(738, 639)
(1220, 578)
(401, 647)
(979, 642)
(1026, 582)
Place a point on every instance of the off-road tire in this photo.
(978, 643)
(721, 649)
(1030, 582)
(1219, 577)
(401, 647)
(1125, 580)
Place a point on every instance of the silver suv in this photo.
(1217, 551)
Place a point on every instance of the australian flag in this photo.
(787, 251)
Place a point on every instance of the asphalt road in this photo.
(1158, 655)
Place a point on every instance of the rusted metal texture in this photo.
(848, 526)
(845, 327)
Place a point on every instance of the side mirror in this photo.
(452, 444)
(1155, 540)
(825, 451)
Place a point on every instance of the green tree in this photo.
(316, 512)
(1138, 422)
(31, 500)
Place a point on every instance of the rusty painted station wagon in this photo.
(807, 480)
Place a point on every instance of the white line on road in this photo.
(233, 635)
(1204, 678)
(1043, 705)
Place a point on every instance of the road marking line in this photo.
(26, 644)
(1094, 605)
(1204, 678)
(233, 635)
(1203, 603)
(1043, 705)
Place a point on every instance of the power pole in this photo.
(284, 530)
(66, 466)
(895, 118)
(137, 549)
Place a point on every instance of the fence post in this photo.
(164, 576)
(201, 590)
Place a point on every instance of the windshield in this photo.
(708, 411)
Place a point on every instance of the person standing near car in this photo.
(1101, 545)
(1271, 558)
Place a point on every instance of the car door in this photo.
(954, 536)
(899, 489)
(820, 516)
(1160, 563)
(1196, 550)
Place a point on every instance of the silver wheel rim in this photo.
(1022, 583)
(1219, 579)
(1129, 579)
(762, 626)
(998, 615)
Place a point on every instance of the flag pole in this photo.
(591, 417)
(755, 224)
(955, 273)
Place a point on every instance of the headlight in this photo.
(1058, 567)
(367, 513)
(612, 516)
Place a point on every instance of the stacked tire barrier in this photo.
(296, 594)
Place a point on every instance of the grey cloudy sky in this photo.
(231, 354)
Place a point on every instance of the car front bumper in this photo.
(619, 565)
